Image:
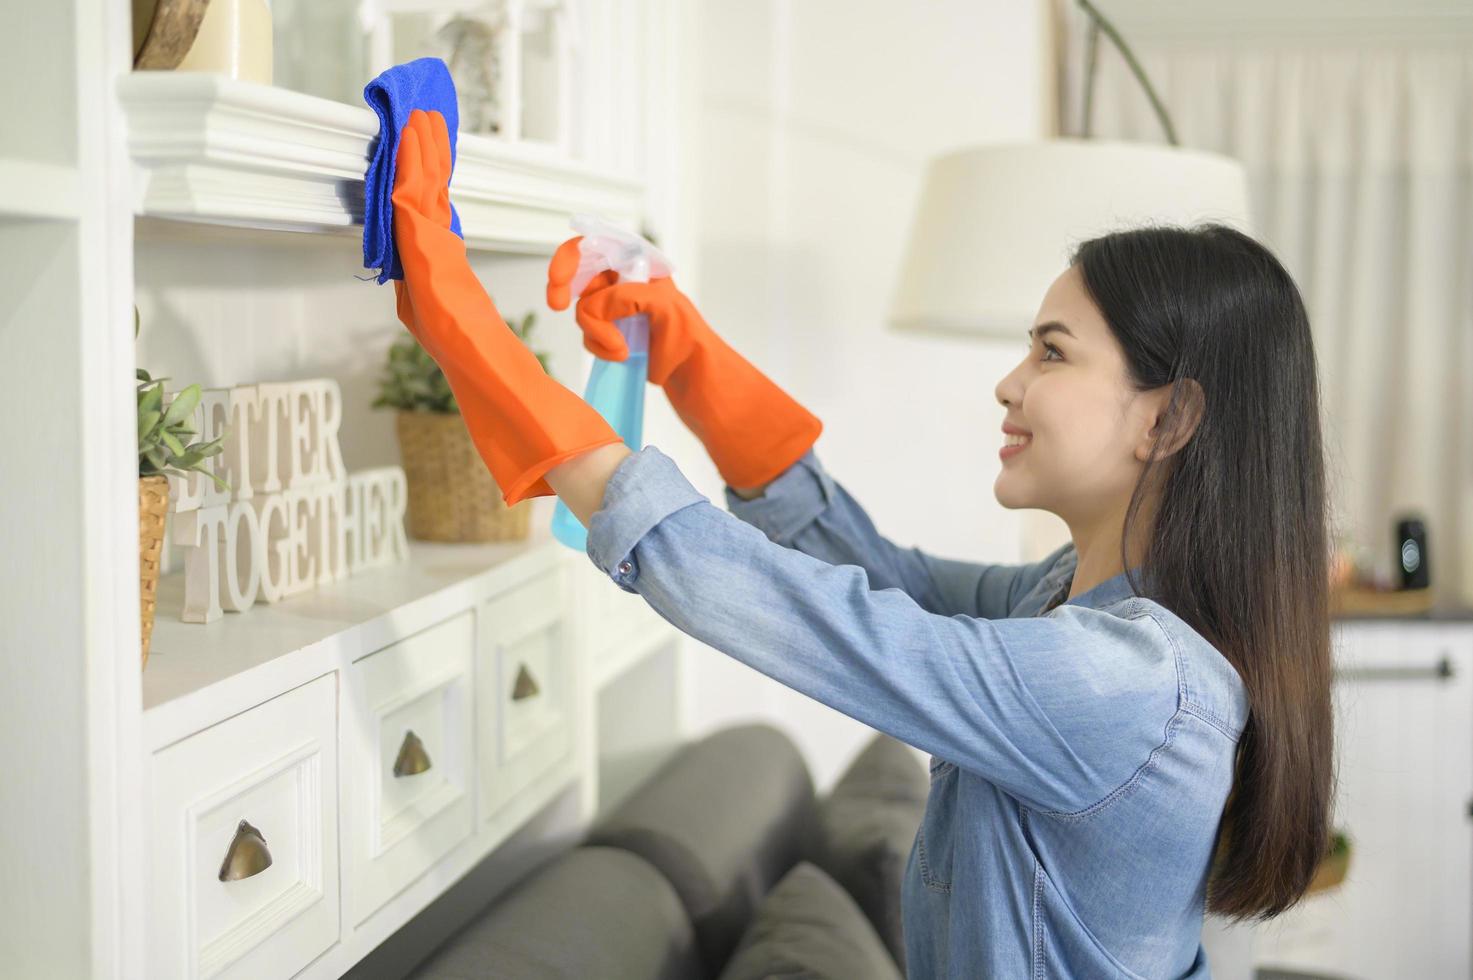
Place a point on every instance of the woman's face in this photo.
(1089, 432)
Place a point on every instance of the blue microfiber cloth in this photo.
(423, 83)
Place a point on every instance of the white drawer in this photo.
(272, 768)
(618, 618)
(524, 673)
(410, 702)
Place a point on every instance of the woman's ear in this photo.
(1174, 423)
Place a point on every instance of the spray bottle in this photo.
(615, 388)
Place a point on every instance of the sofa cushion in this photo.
(723, 820)
(809, 927)
(593, 912)
(867, 827)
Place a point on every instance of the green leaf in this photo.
(146, 421)
(168, 438)
(212, 448)
(183, 405)
(152, 399)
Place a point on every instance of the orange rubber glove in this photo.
(522, 421)
(751, 428)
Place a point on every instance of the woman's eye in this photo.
(1047, 347)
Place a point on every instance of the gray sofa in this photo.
(724, 865)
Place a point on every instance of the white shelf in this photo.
(213, 149)
(272, 647)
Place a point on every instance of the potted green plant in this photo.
(1333, 867)
(452, 495)
(163, 447)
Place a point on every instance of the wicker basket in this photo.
(1330, 873)
(153, 504)
(452, 496)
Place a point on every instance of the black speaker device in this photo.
(1411, 553)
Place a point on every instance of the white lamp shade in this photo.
(996, 223)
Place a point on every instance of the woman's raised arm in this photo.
(807, 510)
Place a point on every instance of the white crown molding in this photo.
(213, 149)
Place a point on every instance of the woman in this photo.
(1134, 729)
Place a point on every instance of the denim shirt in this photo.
(1081, 749)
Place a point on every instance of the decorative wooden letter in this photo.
(295, 519)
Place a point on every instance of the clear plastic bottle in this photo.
(616, 390)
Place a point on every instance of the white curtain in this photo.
(1359, 150)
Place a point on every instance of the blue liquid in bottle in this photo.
(616, 390)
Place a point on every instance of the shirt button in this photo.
(625, 567)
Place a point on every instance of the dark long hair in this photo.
(1239, 544)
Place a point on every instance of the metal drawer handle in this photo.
(247, 855)
(526, 685)
(412, 756)
(1441, 671)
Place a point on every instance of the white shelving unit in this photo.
(211, 149)
(37, 190)
(199, 672)
(129, 784)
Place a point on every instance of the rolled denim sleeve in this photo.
(807, 509)
(1059, 710)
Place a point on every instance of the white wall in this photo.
(813, 123)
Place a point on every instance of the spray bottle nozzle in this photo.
(607, 246)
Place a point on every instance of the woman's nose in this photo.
(1009, 390)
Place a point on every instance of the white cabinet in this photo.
(426, 735)
(407, 758)
(525, 676)
(627, 630)
(1404, 744)
(1405, 707)
(275, 730)
(263, 783)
